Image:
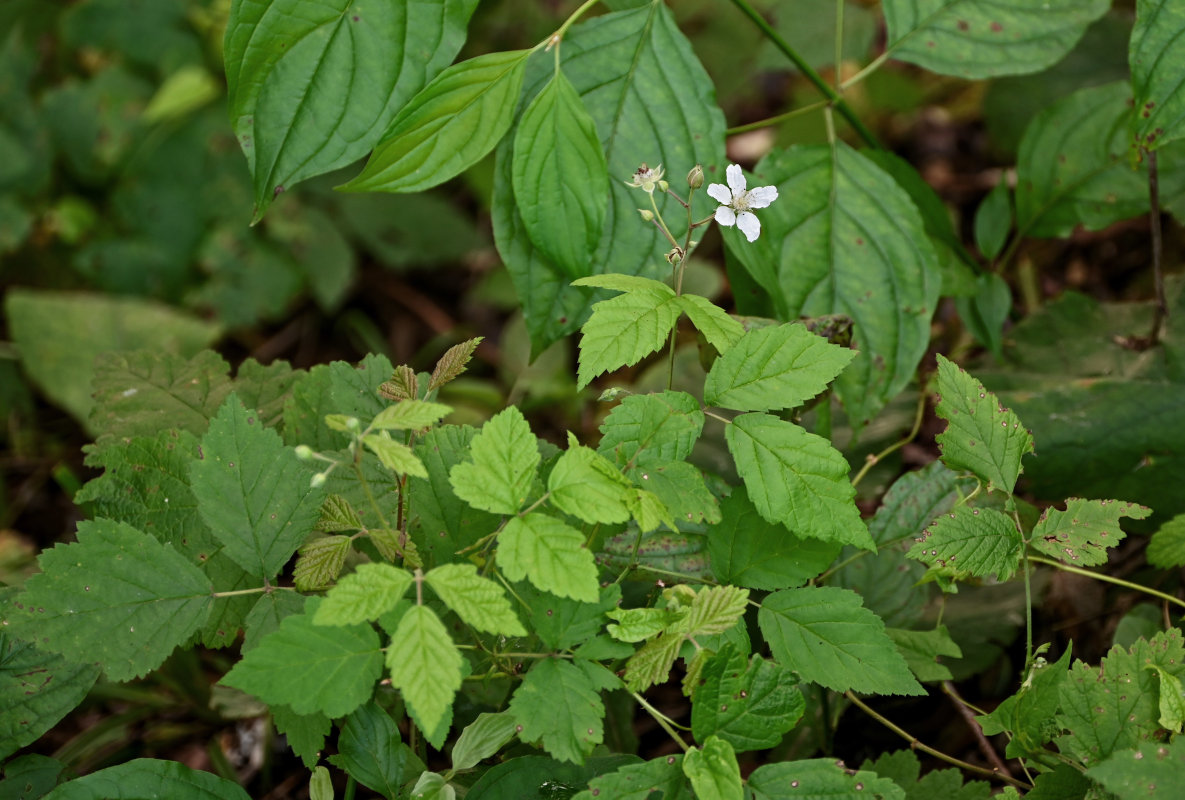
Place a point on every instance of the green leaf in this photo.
(117, 597)
(1082, 533)
(370, 750)
(542, 777)
(252, 491)
(1157, 70)
(638, 624)
(714, 610)
(305, 733)
(41, 688)
(338, 515)
(717, 325)
(445, 523)
(452, 363)
(981, 435)
(559, 703)
(796, 478)
(32, 774)
(312, 89)
(320, 784)
(820, 777)
(985, 311)
(826, 636)
(551, 554)
(923, 649)
(562, 623)
(147, 777)
(505, 454)
(650, 429)
(267, 614)
(980, 541)
(648, 511)
(478, 601)
(364, 595)
(651, 100)
(748, 703)
(394, 455)
(713, 771)
(431, 786)
(651, 665)
(625, 329)
(640, 781)
(266, 388)
(561, 183)
(902, 767)
(336, 388)
(320, 562)
(425, 666)
(983, 38)
(410, 415)
(993, 221)
(1166, 548)
(681, 488)
(312, 668)
(852, 242)
(748, 551)
(1172, 700)
(1146, 771)
(1029, 714)
(482, 738)
(777, 367)
(587, 486)
(448, 127)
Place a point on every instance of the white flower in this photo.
(738, 200)
(646, 178)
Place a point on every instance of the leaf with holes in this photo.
(980, 541)
(1082, 533)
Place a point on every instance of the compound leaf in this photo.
(505, 454)
(1082, 533)
(559, 702)
(364, 595)
(549, 553)
(625, 329)
(425, 666)
(478, 601)
(748, 703)
(981, 541)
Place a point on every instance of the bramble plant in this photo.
(435, 610)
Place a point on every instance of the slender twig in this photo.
(1098, 576)
(778, 118)
(976, 729)
(661, 719)
(1028, 570)
(1162, 308)
(916, 744)
(873, 460)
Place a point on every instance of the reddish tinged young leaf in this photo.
(452, 363)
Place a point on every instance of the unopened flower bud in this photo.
(647, 214)
(663, 186)
(318, 480)
(304, 452)
(695, 178)
(353, 423)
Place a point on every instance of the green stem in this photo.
(873, 460)
(571, 20)
(1028, 591)
(661, 719)
(839, 8)
(257, 590)
(872, 67)
(779, 118)
(835, 100)
(1098, 576)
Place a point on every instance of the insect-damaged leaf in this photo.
(980, 541)
(1082, 533)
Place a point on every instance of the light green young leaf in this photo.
(922, 649)
(312, 88)
(237, 483)
(640, 781)
(312, 668)
(425, 666)
(320, 562)
(478, 601)
(116, 597)
(559, 703)
(410, 415)
(796, 478)
(820, 777)
(625, 329)
(981, 435)
(338, 515)
(395, 456)
(587, 486)
(320, 784)
(713, 771)
(430, 786)
(777, 367)
(446, 128)
(828, 637)
(1143, 772)
(649, 429)
(482, 738)
(147, 777)
(1166, 548)
(985, 38)
(714, 610)
(651, 665)
(638, 624)
(364, 595)
(1082, 533)
(370, 751)
(648, 510)
(1157, 69)
(561, 182)
(452, 363)
(748, 703)
(981, 541)
(549, 553)
(505, 454)
(720, 329)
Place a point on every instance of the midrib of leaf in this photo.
(629, 79)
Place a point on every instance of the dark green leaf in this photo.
(337, 388)
(146, 777)
(681, 488)
(562, 623)
(650, 429)
(993, 221)
(820, 777)
(539, 778)
(559, 703)
(1085, 530)
(1158, 69)
(30, 776)
(1146, 771)
(305, 733)
(369, 749)
(985, 312)
(446, 523)
(902, 767)
(749, 704)
(923, 649)
(981, 541)
(640, 781)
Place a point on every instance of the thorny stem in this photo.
(1098, 576)
(873, 460)
(964, 708)
(661, 719)
(1162, 308)
(916, 744)
(809, 73)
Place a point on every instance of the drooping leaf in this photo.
(561, 183)
(1166, 548)
(452, 363)
(458, 118)
(482, 738)
(586, 485)
(312, 88)
(820, 777)
(713, 771)
(981, 435)
(853, 243)
(425, 666)
(625, 329)
(559, 703)
(1157, 69)
(640, 781)
(981, 541)
(364, 595)
(370, 750)
(478, 601)
(652, 101)
(748, 703)
(922, 649)
(549, 553)
(826, 636)
(320, 562)
(116, 597)
(982, 38)
(505, 454)
(252, 491)
(771, 368)
(717, 326)
(410, 415)
(796, 478)
(336, 388)
(649, 429)
(312, 668)
(148, 777)
(1144, 771)
(1085, 530)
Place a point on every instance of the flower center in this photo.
(740, 202)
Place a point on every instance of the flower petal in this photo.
(762, 196)
(749, 225)
(726, 216)
(720, 193)
(736, 179)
